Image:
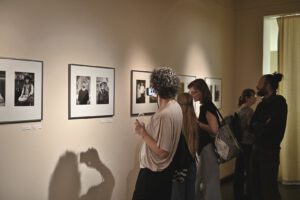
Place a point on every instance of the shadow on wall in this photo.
(65, 181)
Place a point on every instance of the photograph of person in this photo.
(24, 89)
(140, 91)
(83, 90)
(210, 88)
(217, 93)
(2, 88)
(102, 90)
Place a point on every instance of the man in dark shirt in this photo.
(268, 125)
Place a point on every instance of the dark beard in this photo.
(262, 92)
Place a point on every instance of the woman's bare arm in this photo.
(151, 143)
(212, 126)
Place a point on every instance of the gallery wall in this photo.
(248, 51)
(195, 37)
(248, 34)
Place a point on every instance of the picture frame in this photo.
(91, 91)
(215, 87)
(141, 103)
(21, 90)
(185, 80)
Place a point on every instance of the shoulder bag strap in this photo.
(218, 112)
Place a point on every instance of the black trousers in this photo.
(241, 182)
(264, 174)
(153, 185)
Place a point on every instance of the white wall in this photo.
(193, 37)
(248, 23)
(270, 44)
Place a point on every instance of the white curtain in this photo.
(289, 66)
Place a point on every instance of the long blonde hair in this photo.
(190, 126)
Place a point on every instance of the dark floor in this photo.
(288, 192)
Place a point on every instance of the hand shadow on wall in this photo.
(65, 181)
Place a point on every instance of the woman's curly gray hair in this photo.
(165, 82)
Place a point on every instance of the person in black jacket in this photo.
(268, 125)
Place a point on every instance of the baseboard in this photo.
(229, 178)
(290, 182)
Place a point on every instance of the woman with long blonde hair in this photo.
(186, 190)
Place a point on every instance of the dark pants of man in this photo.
(241, 173)
(264, 174)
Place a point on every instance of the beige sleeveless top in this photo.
(165, 128)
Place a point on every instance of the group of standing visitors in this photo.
(261, 133)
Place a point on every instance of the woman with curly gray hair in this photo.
(160, 139)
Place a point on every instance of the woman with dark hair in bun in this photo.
(268, 125)
(246, 139)
(160, 139)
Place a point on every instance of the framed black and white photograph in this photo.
(24, 89)
(140, 91)
(21, 90)
(143, 97)
(83, 90)
(215, 87)
(91, 91)
(102, 90)
(185, 80)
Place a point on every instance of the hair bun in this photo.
(277, 76)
